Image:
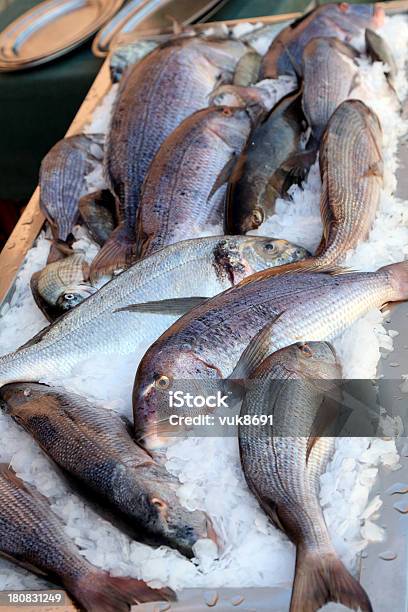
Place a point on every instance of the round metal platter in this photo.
(150, 14)
(52, 29)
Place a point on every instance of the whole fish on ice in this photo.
(208, 343)
(342, 21)
(62, 183)
(184, 189)
(351, 169)
(283, 461)
(61, 285)
(92, 446)
(270, 163)
(104, 322)
(32, 536)
(165, 87)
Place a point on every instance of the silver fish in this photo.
(210, 342)
(201, 267)
(158, 93)
(298, 389)
(93, 448)
(61, 285)
(32, 536)
(184, 189)
(62, 183)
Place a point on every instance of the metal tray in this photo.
(51, 29)
(385, 581)
(147, 14)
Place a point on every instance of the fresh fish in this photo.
(351, 168)
(379, 51)
(329, 75)
(61, 285)
(98, 213)
(268, 166)
(128, 55)
(32, 536)
(247, 70)
(167, 86)
(283, 461)
(206, 343)
(201, 267)
(92, 446)
(62, 183)
(342, 21)
(184, 189)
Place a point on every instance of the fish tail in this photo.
(59, 250)
(118, 252)
(101, 592)
(323, 578)
(398, 274)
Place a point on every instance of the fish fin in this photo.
(7, 473)
(311, 264)
(323, 578)
(297, 167)
(256, 351)
(223, 176)
(105, 593)
(51, 313)
(175, 306)
(118, 252)
(59, 250)
(376, 169)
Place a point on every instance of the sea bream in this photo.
(102, 323)
(32, 536)
(165, 87)
(61, 285)
(93, 448)
(342, 21)
(351, 169)
(330, 73)
(207, 342)
(62, 183)
(184, 189)
(298, 389)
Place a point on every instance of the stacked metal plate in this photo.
(51, 29)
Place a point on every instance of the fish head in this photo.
(14, 397)
(162, 372)
(261, 253)
(72, 296)
(316, 360)
(167, 520)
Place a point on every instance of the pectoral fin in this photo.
(176, 306)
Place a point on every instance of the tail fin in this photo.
(118, 252)
(58, 250)
(320, 579)
(398, 274)
(104, 593)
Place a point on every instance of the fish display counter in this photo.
(278, 261)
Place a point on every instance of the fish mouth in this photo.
(159, 434)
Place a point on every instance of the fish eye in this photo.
(162, 382)
(69, 297)
(161, 506)
(306, 350)
(269, 246)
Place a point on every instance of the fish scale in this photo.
(178, 198)
(329, 73)
(155, 95)
(208, 341)
(201, 267)
(284, 459)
